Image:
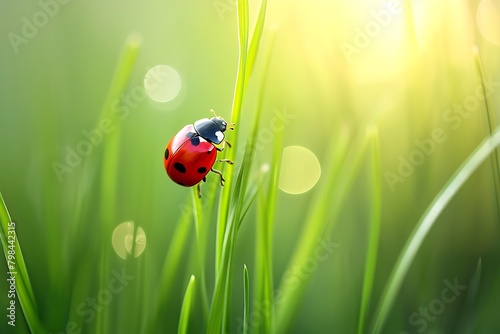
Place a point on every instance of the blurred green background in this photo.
(406, 67)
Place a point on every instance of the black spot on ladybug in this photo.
(180, 167)
(195, 141)
(202, 170)
(182, 184)
(190, 134)
(166, 154)
(209, 151)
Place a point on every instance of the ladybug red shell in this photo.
(191, 153)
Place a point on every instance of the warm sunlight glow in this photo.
(380, 49)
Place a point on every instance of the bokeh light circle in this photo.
(123, 240)
(488, 20)
(300, 170)
(162, 83)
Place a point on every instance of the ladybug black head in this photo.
(221, 123)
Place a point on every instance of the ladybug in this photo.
(191, 153)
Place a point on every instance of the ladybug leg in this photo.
(223, 146)
(198, 188)
(225, 160)
(220, 174)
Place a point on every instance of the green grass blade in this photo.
(110, 155)
(235, 117)
(122, 74)
(490, 117)
(445, 195)
(239, 191)
(468, 322)
(172, 261)
(335, 187)
(218, 309)
(254, 132)
(219, 317)
(247, 57)
(232, 206)
(239, 91)
(246, 299)
(222, 296)
(16, 265)
(263, 243)
(474, 291)
(251, 195)
(201, 235)
(256, 38)
(372, 249)
(186, 307)
(242, 197)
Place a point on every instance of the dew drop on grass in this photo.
(488, 20)
(300, 170)
(162, 83)
(122, 240)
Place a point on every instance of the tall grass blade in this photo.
(17, 268)
(341, 174)
(239, 90)
(263, 243)
(254, 132)
(490, 117)
(233, 203)
(246, 299)
(219, 307)
(372, 249)
(477, 279)
(468, 322)
(201, 235)
(219, 314)
(110, 155)
(223, 287)
(442, 199)
(172, 261)
(246, 61)
(249, 200)
(256, 38)
(186, 307)
(111, 150)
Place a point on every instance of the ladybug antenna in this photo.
(229, 126)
